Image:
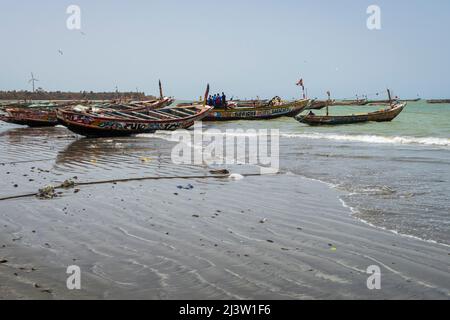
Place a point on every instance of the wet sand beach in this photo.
(262, 237)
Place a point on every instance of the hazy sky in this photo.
(246, 48)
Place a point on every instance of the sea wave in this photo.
(355, 212)
(430, 141)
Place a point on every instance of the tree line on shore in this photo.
(82, 95)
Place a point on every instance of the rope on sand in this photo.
(77, 184)
(25, 161)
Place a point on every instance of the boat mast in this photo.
(160, 90)
(206, 96)
(390, 98)
(328, 101)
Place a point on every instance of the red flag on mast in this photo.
(300, 83)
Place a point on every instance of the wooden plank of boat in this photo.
(189, 110)
(183, 113)
(144, 115)
(123, 115)
(164, 114)
(377, 116)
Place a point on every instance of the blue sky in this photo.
(246, 48)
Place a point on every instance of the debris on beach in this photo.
(3, 261)
(67, 184)
(219, 171)
(47, 192)
(145, 159)
(49, 291)
(188, 187)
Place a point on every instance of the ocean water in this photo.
(393, 175)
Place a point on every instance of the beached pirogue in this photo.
(44, 115)
(33, 115)
(257, 110)
(93, 122)
(384, 115)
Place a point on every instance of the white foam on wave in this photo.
(354, 211)
(236, 177)
(431, 141)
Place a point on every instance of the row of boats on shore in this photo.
(116, 118)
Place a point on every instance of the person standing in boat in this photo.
(224, 100)
(218, 100)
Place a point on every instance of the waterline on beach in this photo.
(428, 141)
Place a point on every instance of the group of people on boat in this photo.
(217, 100)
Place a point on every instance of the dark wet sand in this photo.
(267, 237)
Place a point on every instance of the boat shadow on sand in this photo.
(113, 152)
(18, 135)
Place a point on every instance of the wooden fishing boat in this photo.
(320, 104)
(273, 109)
(46, 115)
(33, 115)
(379, 116)
(349, 103)
(439, 101)
(411, 100)
(110, 122)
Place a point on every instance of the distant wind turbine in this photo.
(33, 80)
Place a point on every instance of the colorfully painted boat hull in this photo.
(31, 118)
(258, 113)
(95, 126)
(47, 117)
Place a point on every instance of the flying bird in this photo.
(60, 52)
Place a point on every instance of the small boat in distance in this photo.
(383, 115)
(439, 101)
